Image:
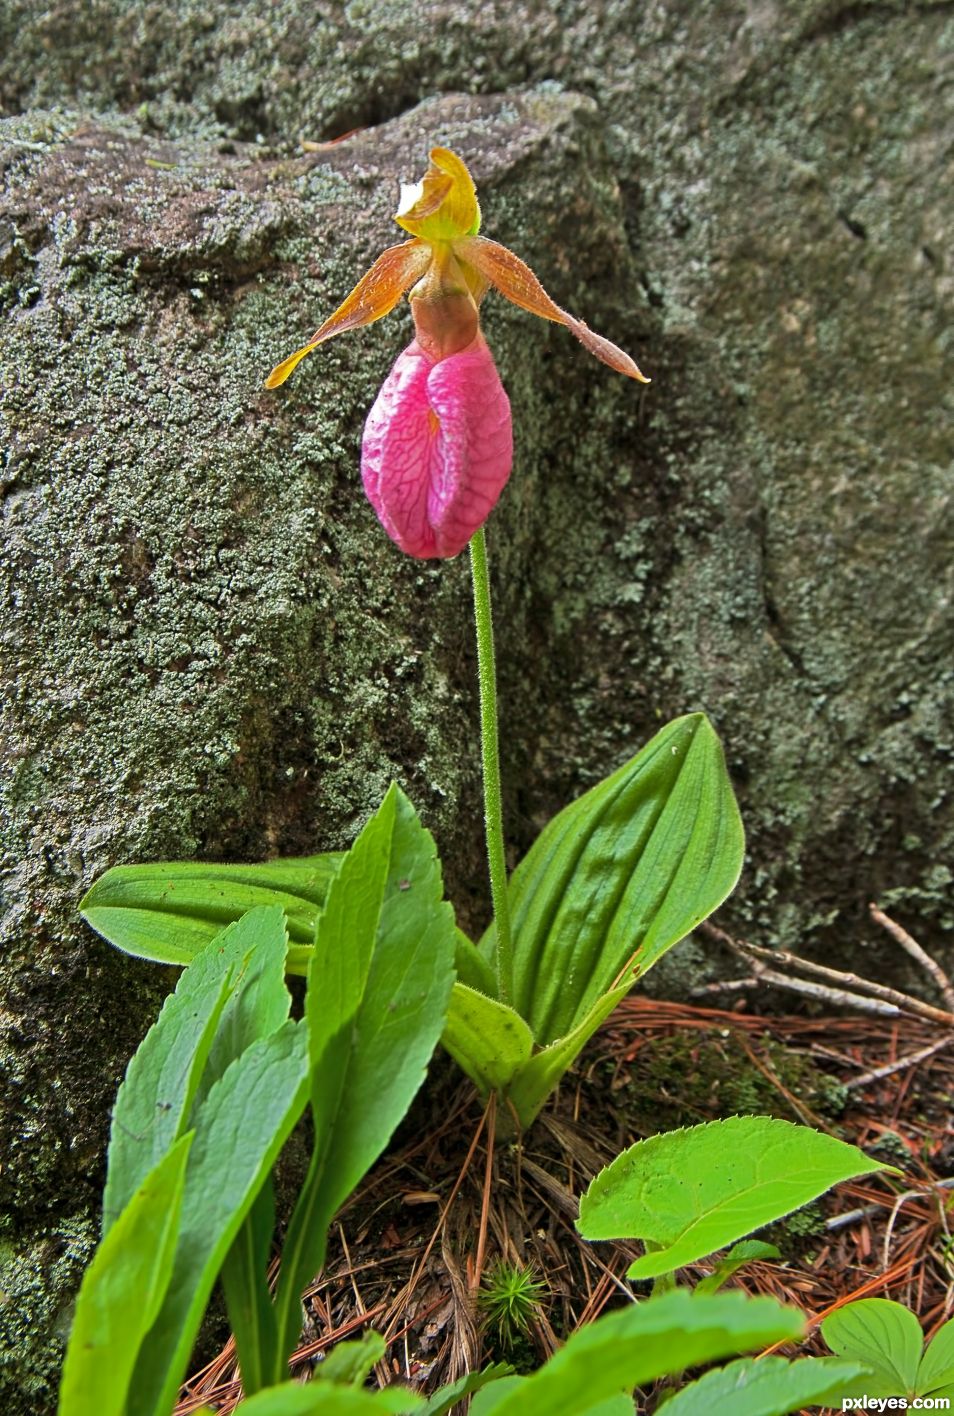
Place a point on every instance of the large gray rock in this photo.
(217, 651)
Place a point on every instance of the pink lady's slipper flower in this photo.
(438, 445)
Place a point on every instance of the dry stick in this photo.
(754, 952)
(901, 1065)
(485, 1199)
(912, 947)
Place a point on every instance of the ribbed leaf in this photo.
(486, 1038)
(168, 912)
(622, 874)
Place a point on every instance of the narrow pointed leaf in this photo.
(240, 1129)
(621, 875)
(692, 1191)
(639, 1344)
(373, 1063)
(533, 1082)
(169, 912)
(768, 1386)
(886, 1337)
(122, 1292)
(473, 970)
(486, 1038)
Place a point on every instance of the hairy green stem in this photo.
(490, 752)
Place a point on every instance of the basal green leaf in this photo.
(327, 1399)
(768, 1386)
(240, 1129)
(168, 912)
(122, 1291)
(486, 1038)
(638, 1344)
(936, 1372)
(886, 1337)
(393, 996)
(622, 874)
(533, 1082)
(693, 1191)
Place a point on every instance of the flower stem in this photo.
(490, 752)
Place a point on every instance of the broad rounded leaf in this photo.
(621, 875)
(885, 1336)
(936, 1372)
(687, 1193)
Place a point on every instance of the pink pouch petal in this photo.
(437, 449)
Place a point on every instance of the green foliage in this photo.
(637, 1345)
(687, 1193)
(350, 1363)
(770, 1386)
(329, 1399)
(621, 875)
(122, 1291)
(748, 1251)
(509, 1299)
(887, 1338)
(378, 989)
(168, 913)
(616, 879)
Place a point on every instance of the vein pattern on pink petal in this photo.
(437, 449)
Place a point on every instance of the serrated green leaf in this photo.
(693, 1191)
(327, 1399)
(122, 1292)
(627, 870)
(886, 1337)
(240, 1129)
(350, 1363)
(768, 1386)
(536, 1079)
(747, 1252)
(639, 1344)
(486, 1038)
(936, 1372)
(388, 1005)
(169, 912)
(444, 1400)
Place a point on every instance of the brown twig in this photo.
(919, 954)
